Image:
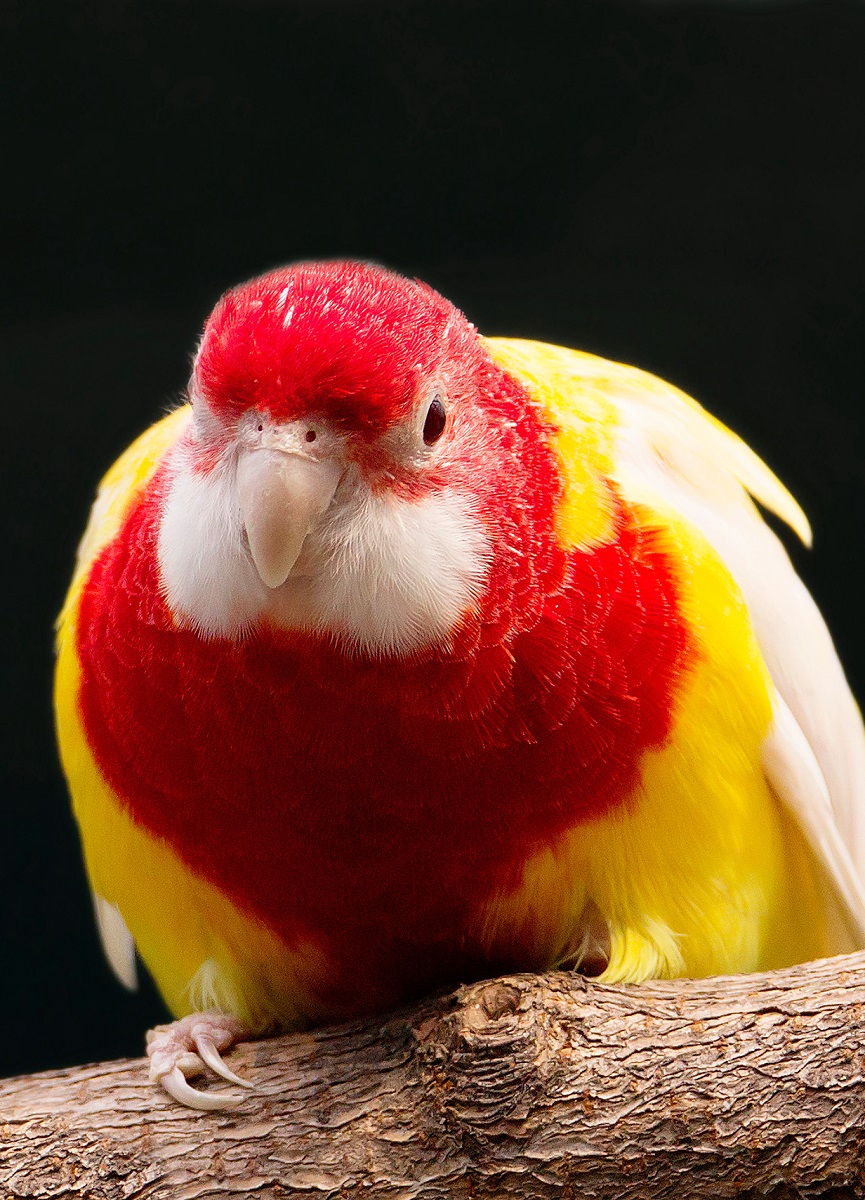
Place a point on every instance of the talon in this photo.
(186, 1048)
(215, 1061)
(175, 1084)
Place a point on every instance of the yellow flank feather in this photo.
(201, 950)
(702, 871)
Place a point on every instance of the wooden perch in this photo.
(529, 1086)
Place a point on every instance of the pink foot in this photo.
(184, 1047)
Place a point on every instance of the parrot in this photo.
(397, 656)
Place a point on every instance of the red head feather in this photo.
(343, 340)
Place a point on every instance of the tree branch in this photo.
(529, 1086)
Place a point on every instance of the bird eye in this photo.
(434, 425)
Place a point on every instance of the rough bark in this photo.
(528, 1086)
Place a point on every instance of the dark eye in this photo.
(434, 425)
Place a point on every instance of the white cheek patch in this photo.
(208, 577)
(390, 575)
(379, 573)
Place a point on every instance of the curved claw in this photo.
(174, 1082)
(172, 1048)
(208, 1051)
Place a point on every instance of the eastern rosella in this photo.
(401, 656)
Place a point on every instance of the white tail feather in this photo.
(116, 941)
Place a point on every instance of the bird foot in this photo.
(185, 1047)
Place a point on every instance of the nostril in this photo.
(310, 435)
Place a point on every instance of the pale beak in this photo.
(281, 495)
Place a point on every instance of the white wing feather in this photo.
(794, 773)
(670, 451)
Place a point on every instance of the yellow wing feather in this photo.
(591, 392)
(703, 871)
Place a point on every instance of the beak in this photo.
(281, 495)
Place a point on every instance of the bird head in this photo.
(346, 471)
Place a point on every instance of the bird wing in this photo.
(670, 453)
(118, 489)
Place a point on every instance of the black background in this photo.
(681, 186)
